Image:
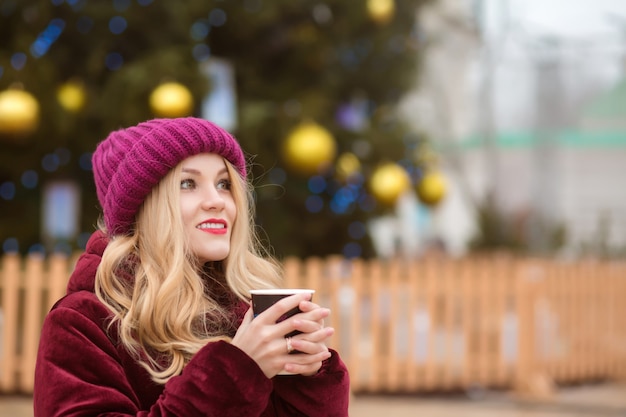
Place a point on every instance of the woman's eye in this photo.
(187, 184)
(224, 184)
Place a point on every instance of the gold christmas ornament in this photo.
(381, 11)
(171, 99)
(309, 149)
(347, 165)
(432, 188)
(388, 183)
(71, 95)
(19, 112)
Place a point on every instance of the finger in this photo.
(307, 326)
(306, 342)
(247, 318)
(282, 307)
(306, 364)
(304, 322)
(306, 306)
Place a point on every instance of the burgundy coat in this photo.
(83, 370)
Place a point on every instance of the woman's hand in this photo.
(264, 340)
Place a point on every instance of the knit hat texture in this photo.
(130, 162)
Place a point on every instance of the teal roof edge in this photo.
(574, 139)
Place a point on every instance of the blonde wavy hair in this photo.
(156, 290)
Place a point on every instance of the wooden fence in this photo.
(426, 325)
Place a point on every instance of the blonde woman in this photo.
(156, 320)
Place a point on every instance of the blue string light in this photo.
(50, 162)
(352, 250)
(10, 245)
(46, 38)
(200, 30)
(314, 203)
(18, 60)
(201, 52)
(217, 17)
(7, 190)
(357, 230)
(277, 176)
(317, 184)
(85, 161)
(114, 61)
(30, 179)
(117, 25)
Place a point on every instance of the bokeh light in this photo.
(317, 184)
(50, 162)
(46, 38)
(37, 248)
(117, 25)
(18, 60)
(62, 247)
(357, 230)
(200, 30)
(85, 161)
(314, 203)
(10, 245)
(114, 61)
(217, 17)
(277, 176)
(7, 190)
(201, 52)
(352, 250)
(30, 179)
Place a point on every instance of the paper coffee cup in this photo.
(264, 299)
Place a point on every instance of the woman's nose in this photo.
(212, 199)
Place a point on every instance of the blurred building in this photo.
(530, 122)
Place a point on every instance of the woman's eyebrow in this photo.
(191, 171)
(197, 172)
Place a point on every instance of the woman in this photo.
(156, 320)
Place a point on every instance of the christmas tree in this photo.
(315, 86)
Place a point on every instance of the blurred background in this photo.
(373, 128)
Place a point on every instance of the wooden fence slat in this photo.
(11, 278)
(395, 323)
(431, 295)
(57, 278)
(467, 321)
(34, 280)
(448, 326)
(355, 356)
(376, 331)
(333, 293)
(412, 275)
(291, 270)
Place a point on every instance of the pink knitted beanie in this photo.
(129, 162)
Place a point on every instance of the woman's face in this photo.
(207, 206)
